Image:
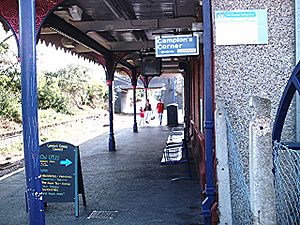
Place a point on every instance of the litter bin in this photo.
(172, 115)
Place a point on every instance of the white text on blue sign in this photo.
(177, 45)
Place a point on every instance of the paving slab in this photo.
(128, 186)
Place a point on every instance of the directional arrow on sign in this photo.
(66, 162)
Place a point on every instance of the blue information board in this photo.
(61, 173)
(177, 45)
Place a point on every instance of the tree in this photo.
(50, 95)
(10, 85)
(73, 82)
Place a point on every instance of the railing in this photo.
(240, 194)
(287, 184)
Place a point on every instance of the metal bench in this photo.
(176, 152)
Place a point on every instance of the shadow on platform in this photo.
(127, 187)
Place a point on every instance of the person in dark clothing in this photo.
(148, 111)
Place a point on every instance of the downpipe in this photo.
(209, 189)
(209, 117)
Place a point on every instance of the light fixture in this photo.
(75, 12)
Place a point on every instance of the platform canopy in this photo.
(122, 28)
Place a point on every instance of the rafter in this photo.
(73, 33)
(126, 25)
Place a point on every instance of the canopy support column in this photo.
(30, 112)
(146, 80)
(109, 79)
(134, 84)
(146, 93)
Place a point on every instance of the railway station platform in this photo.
(128, 186)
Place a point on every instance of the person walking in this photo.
(160, 110)
(148, 111)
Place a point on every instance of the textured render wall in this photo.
(297, 19)
(260, 70)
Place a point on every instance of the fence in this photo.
(240, 194)
(287, 184)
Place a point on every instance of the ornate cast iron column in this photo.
(134, 84)
(146, 80)
(109, 80)
(30, 112)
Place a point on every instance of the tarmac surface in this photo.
(125, 187)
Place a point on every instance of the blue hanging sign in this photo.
(177, 45)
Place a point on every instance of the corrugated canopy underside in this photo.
(102, 27)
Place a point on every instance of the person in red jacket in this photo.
(142, 116)
(160, 110)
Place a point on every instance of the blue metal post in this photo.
(111, 139)
(30, 112)
(135, 128)
(76, 182)
(109, 80)
(146, 93)
(209, 119)
(134, 84)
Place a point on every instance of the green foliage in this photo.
(10, 107)
(10, 86)
(63, 91)
(50, 95)
(74, 83)
(96, 95)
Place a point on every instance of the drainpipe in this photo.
(209, 119)
(30, 112)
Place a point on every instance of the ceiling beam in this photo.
(121, 46)
(73, 33)
(130, 46)
(126, 25)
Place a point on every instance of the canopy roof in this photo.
(92, 28)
